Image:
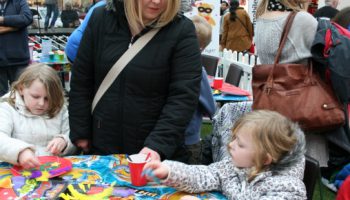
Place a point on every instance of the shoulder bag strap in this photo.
(284, 35)
(283, 40)
(121, 63)
(243, 26)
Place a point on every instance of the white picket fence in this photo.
(246, 61)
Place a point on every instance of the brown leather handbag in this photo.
(296, 91)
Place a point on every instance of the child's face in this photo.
(35, 98)
(242, 148)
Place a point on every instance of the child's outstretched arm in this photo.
(158, 169)
(189, 178)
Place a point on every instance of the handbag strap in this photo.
(244, 26)
(284, 35)
(121, 63)
(283, 40)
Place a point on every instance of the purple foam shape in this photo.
(60, 170)
(123, 192)
(18, 182)
(36, 174)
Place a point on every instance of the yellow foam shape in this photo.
(44, 176)
(66, 196)
(26, 173)
(102, 195)
(82, 187)
(6, 183)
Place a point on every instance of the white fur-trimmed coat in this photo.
(19, 129)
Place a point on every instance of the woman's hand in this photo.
(154, 155)
(84, 144)
(56, 145)
(27, 159)
(159, 169)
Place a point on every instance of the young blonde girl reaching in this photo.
(33, 118)
(267, 162)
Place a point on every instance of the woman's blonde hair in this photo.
(51, 81)
(295, 5)
(203, 30)
(272, 134)
(133, 11)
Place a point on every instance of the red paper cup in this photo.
(136, 166)
(218, 83)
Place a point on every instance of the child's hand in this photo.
(27, 159)
(56, 145)
(159, 169)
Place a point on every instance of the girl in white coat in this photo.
(33, 118)
(267, 162)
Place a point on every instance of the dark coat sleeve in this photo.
(182, 99)
(24, 17)
(82, 86)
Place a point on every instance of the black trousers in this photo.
(7, 76)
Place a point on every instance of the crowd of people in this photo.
(156, 102)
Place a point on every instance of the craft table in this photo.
(228, 93)
(91, 177)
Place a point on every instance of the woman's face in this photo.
(151, 9)
(242, 148)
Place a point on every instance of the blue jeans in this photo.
(49, 9)
(7, 76)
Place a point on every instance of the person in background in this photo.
(69, 17)
(186, 6)
(206, 104)
(267, 162)
(149, 105)
(271, 17)
(15, 16)
(224, 9)
(329, 10)
(343, 18)
(51, 8)
(74, 39)
(33, 118)
(237, 32)
(92, 5)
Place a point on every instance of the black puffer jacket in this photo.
(14, 49)
(151, 101)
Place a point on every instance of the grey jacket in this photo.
(297, 48)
